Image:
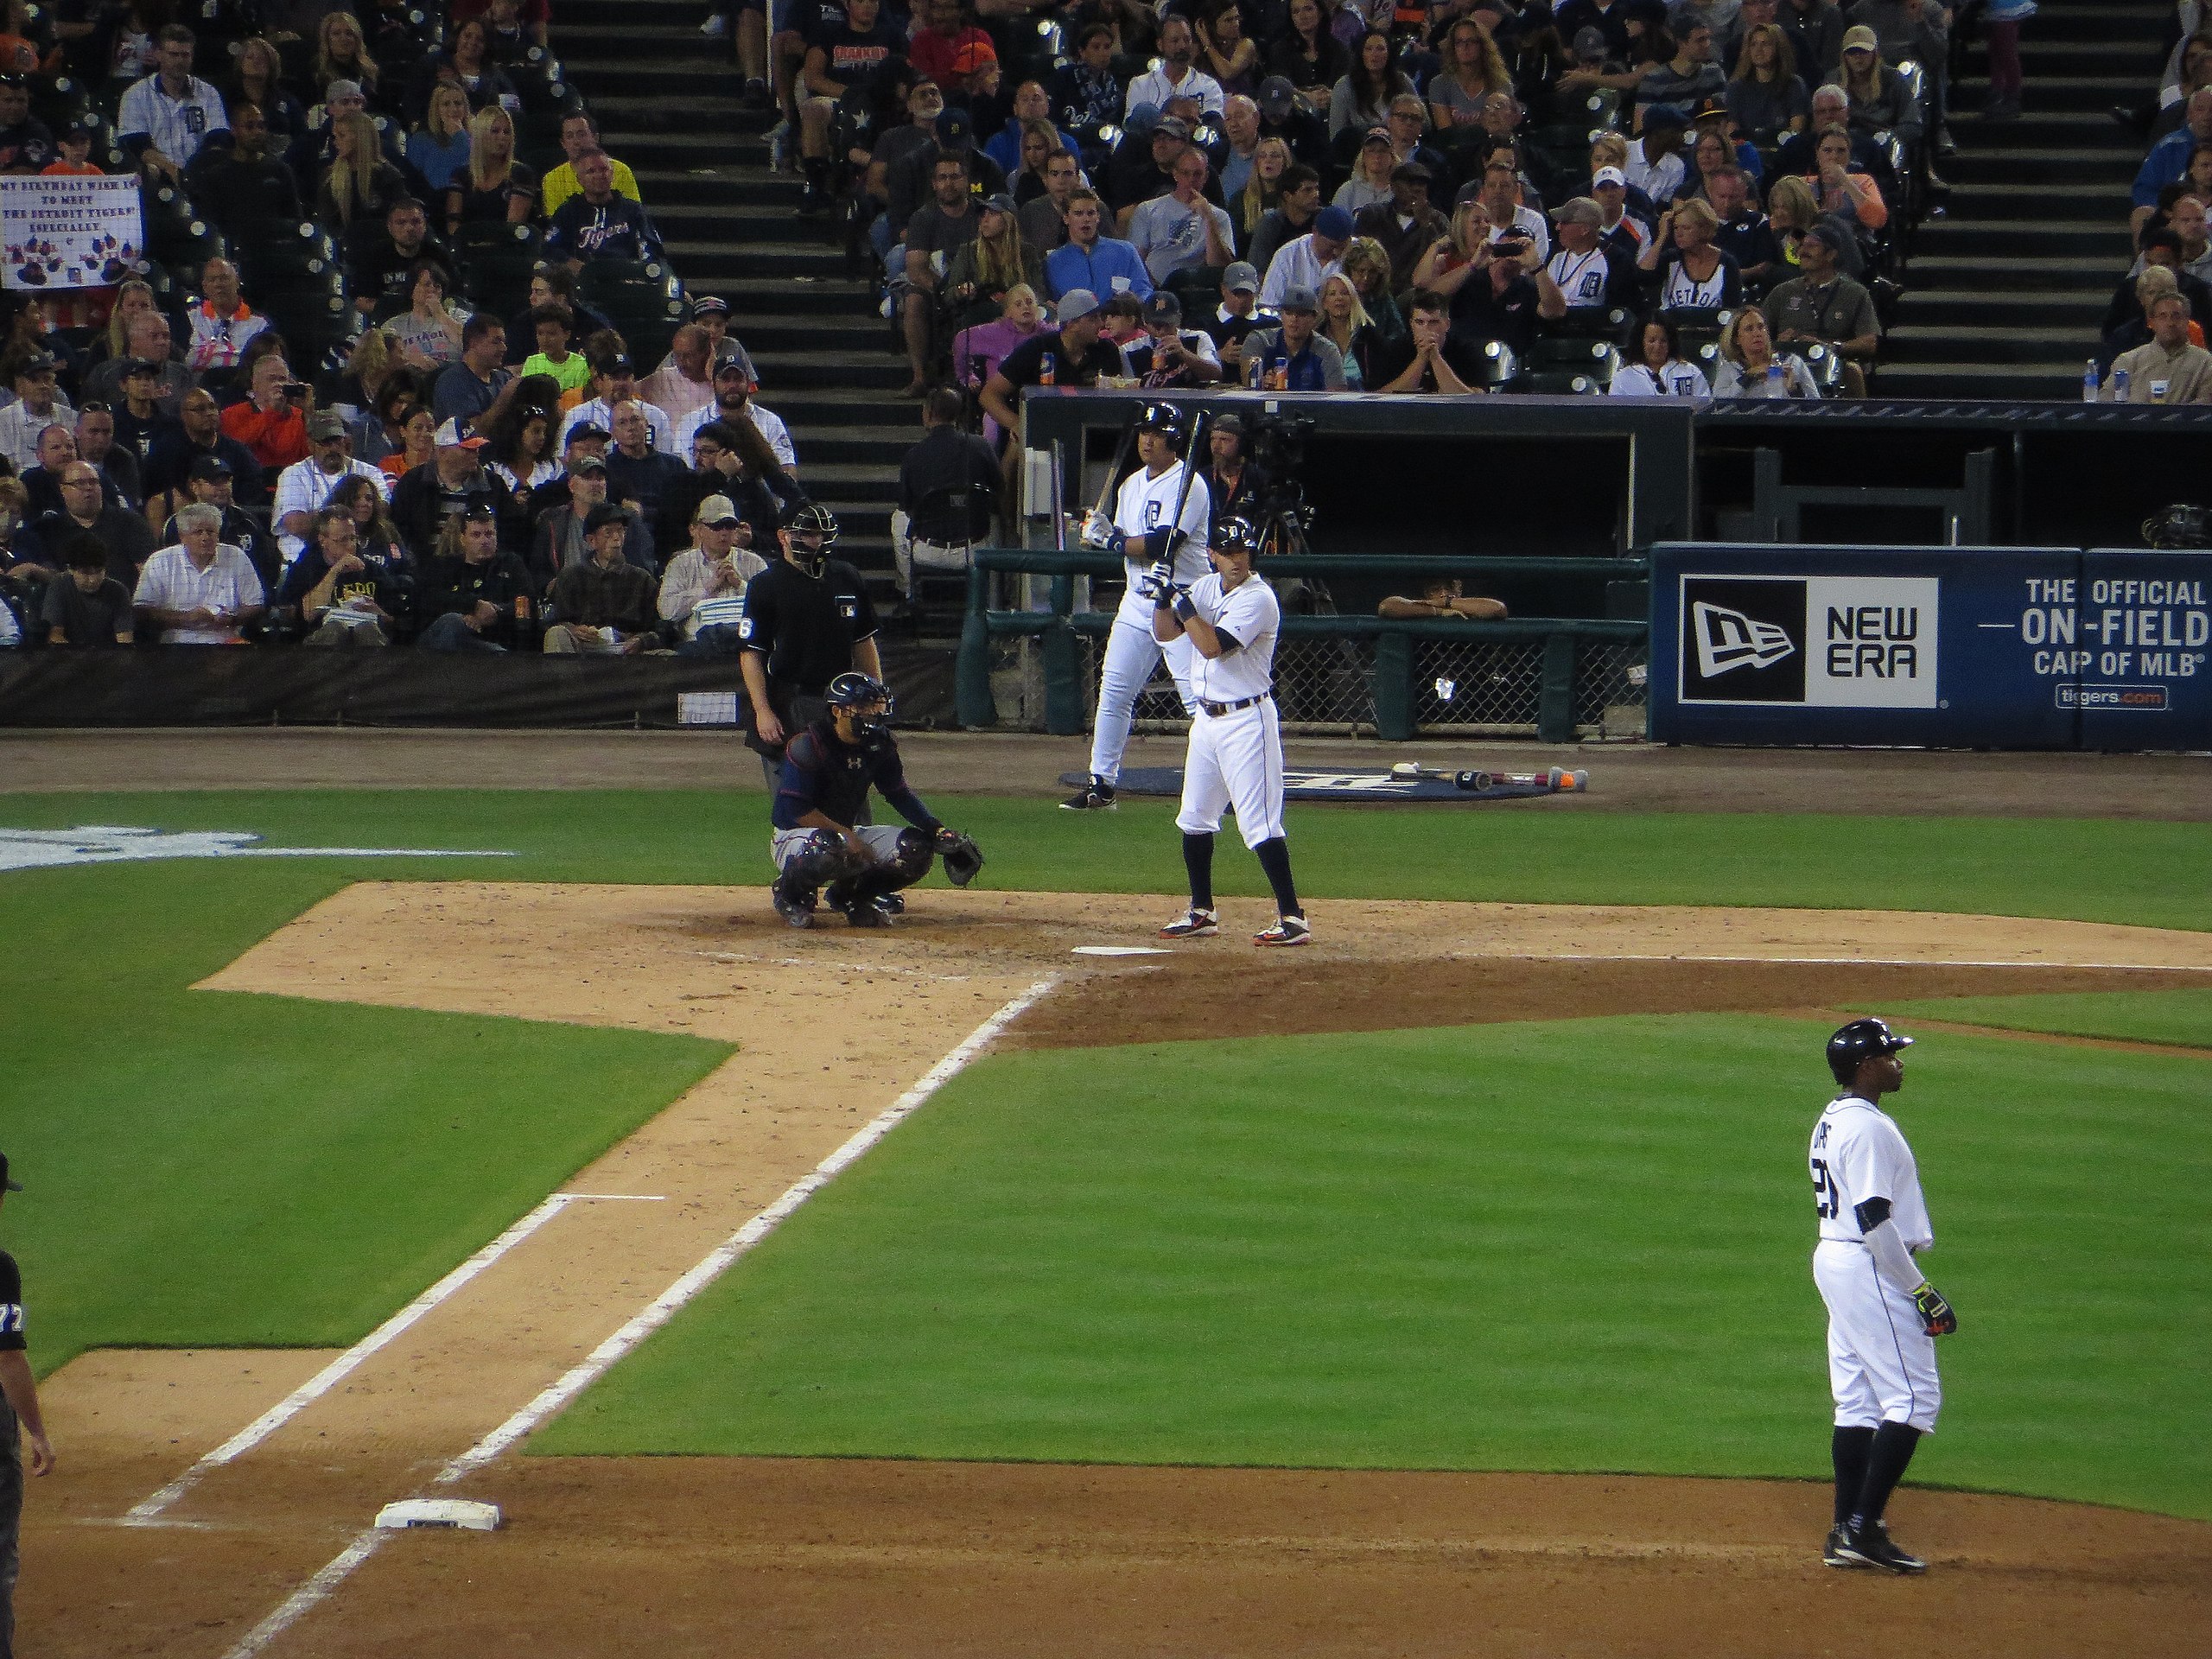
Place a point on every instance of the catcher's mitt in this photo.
(963, 859)
(1936, 1317)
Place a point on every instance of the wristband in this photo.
(1184, 609)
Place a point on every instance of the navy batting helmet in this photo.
(1238, 534)
(1862, 1039)
(1163, 418)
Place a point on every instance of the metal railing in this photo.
(1553, 677)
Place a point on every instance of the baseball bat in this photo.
(1556, 778)
(1113, 473)
(1190, 471)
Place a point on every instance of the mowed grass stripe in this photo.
(1549, 852)
(1580, 1245)
(210, 1169)
(2182, 1017)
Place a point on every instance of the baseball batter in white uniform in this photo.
(1884, 1317)
(1142, 534)
(1229, 621)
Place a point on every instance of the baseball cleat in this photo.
(1097, 796)
(1287, 930)
(1193, 924)
(1832, 1552)
(1871, 1547)
(891, 904)
(867, 912)
(797, 912)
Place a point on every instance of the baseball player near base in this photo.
(822, 852)
(1229, 620)
(1160, 515)
(1884, 1317)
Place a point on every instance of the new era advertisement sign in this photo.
(1814, 642)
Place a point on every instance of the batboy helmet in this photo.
(1236, 535)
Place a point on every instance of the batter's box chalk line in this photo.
(641, 1325)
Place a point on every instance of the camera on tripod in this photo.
(1277, 445)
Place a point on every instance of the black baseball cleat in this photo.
(1832, 1554)
(1193, 924)
(1287, 930)
(796, 913)
(891, 904)
(1871, 1547)
(1097, 796)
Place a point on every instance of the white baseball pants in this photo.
(1881, 1362)
(1234, 760)
(1132, 654)
(882, 840)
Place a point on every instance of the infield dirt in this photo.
(774, 1557)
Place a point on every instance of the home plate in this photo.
(1121, 950)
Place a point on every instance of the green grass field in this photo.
(2181, 1016)
(1574, 1245)
(1579, 1245)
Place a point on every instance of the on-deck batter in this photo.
(1141, 534)
(1229, 621)
(1883, 1316)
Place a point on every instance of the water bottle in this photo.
(2091, 385)
(2120, 379)
(1776, 379)
(1046, 369)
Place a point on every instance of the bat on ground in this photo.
(1557, 778)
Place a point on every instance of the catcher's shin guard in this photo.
(911, 864)
(824, 859)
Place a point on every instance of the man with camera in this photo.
(271, 422)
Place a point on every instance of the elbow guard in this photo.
(1872, 1214)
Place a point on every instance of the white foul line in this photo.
(350, 1361)
(1823, 962)
(648, 1320)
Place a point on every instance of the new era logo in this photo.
(1728, 640)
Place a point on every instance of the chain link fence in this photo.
(1326, 685)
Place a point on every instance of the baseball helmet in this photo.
(853, 690)
(1238, 534)
(810, 517)
(1862, 1039)
(1163, 418)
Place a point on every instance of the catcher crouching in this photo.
(822, 852)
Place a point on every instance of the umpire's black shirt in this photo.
(806, 626)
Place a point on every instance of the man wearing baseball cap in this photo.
(702, 588)
(1077, 357)
(1233, 319)
(1407, 224)
(304, 488)
(1583, 273)
(604, 603)
(23, 1426)
(1822, 306)
(1310, 260)
(1618, 228)
(1169, 354)
(1294, 356)
(615, 380)
(455, 481)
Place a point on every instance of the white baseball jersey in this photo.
(1142, 508)
(1249, 614)
(1858, 1153)
(305, 487)
(1235, 759)
(1881, 1359)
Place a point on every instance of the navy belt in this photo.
(1217, 709)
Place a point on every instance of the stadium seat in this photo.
(1593, 359)
(1558, 383)
(1497, 365)
(496, 261)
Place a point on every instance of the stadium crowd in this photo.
(1661, 180)
(2153, 348)
(390, 403)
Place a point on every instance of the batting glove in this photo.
(1935, 1315)
(1100, 535)
(1157, 582)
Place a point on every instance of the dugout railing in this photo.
(1556, 678)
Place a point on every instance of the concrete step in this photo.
(2000, 239)
(1962, 380)
(713, 262)
(861, 446)
(1990, 344)
(2039, 165)
(2077, 312)
(1972, 273)
(818, 370)
(735, 184)
(2000, 200)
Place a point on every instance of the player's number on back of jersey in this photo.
(1827, 1198)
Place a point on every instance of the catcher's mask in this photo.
(813, 532)
(865, 698)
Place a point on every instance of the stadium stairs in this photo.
(2006, 289)
(666, 100)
